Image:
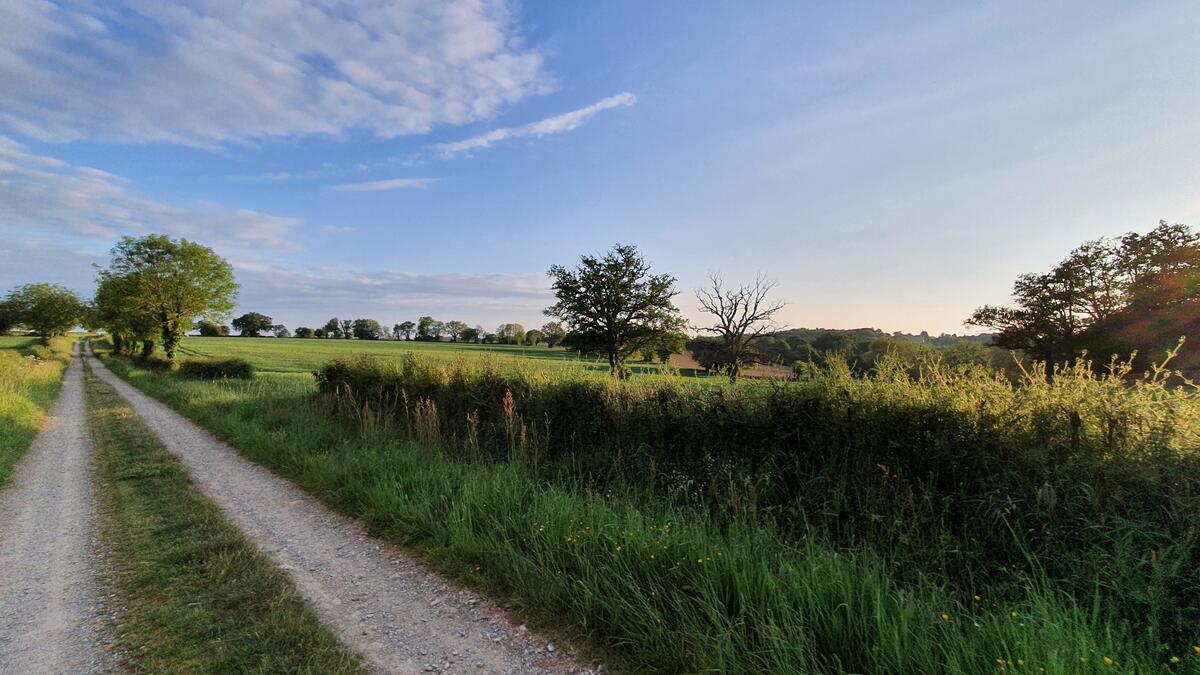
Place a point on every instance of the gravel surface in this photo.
(51, 620)
(400, 617)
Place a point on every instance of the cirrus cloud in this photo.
(390, 184)
(558, 124)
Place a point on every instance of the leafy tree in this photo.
(280, 331)
(510, 334)
(333, 328)
(9, 318)
(368, 329)
(967, 353)
(553, 333)
(470, 334)
(613, 301)
(252, 324)
(430, 329)
(347, 329)
(838, 342)
(47, 309)
(404, 329)
(454, 329)
(211, 329)
(903, 352)
(1138, 293)
(304, 332)
(533, 336)
(319, 333)
(176, 282)
(741, 315)
(666, 344)
(127, 322)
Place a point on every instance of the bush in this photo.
(1093, 480)
(208, 368)
(157, 363)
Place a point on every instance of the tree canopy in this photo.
(1140, 292)
(47, 309)
(170, 282)
(253, 324)
(614, 303)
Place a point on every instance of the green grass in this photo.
(194, 594)
(664, 585)
(295, 355)
(30, 376)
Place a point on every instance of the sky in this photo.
(892, 165)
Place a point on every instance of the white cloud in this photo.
(551, 125)
(43, 194)
(390, 184)
(57, 220)
(212, 71)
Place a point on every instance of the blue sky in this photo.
(891, 164)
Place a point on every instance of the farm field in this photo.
(295, 355)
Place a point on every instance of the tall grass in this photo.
(677, 574)
(1090, 479)
(30, 376)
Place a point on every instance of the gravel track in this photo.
(400, 617)
(50, 616)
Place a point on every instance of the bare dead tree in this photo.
(742, 314)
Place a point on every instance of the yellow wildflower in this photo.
(1108, 661)
(945, 616)
(1015, 615)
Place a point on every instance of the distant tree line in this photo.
(1139, 293)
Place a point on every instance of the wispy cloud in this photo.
(390, 184)
(338, 229)
(558, 124)
(214, 72)
(44, 194)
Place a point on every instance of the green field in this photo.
(295, 355)
(17, 342)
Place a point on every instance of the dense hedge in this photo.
(209, 368)
(1094, 478)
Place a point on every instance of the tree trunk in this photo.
(147, 348)
(171, 336)
(614, 364)
(734, 371)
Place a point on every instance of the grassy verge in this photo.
(666, 586)
(195, 595)
(30, 376)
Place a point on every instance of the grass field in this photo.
(295, 355)
(30, 376)
(671, 585)
(195, 595)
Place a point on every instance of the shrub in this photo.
(1091, 479)
(208, 368)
